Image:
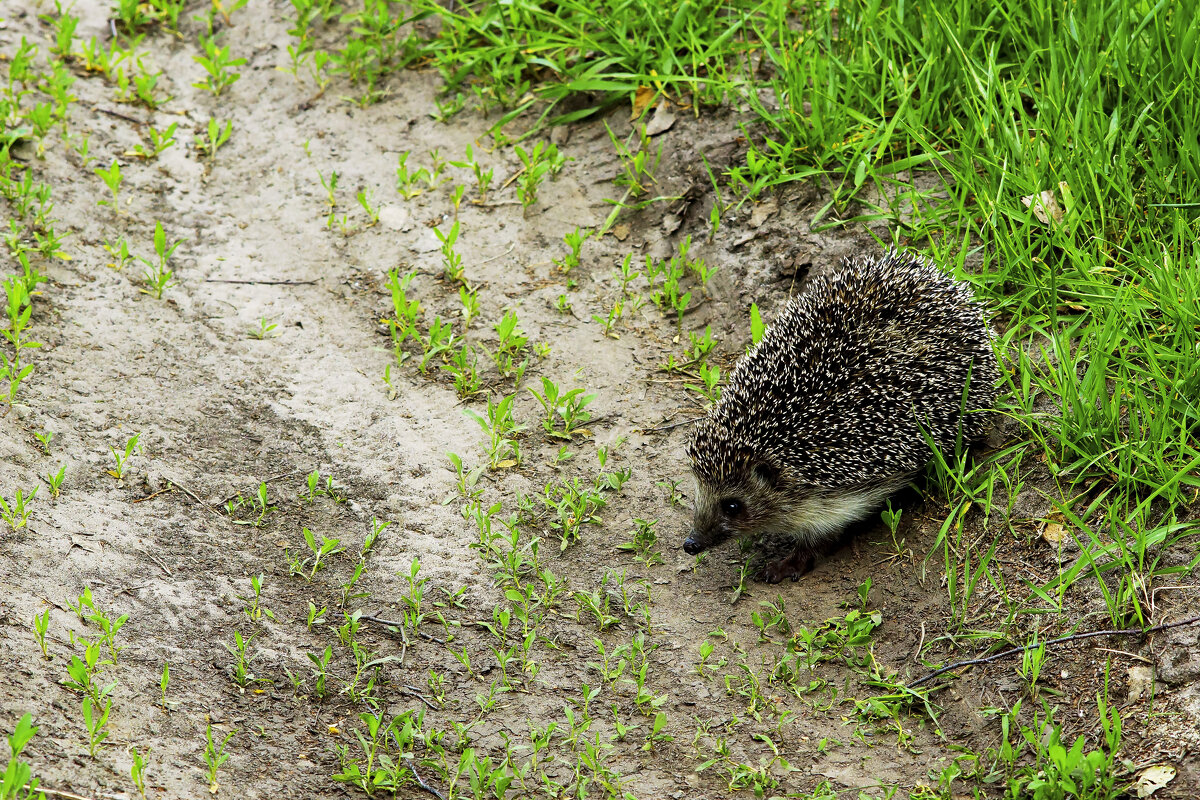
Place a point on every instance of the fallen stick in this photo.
(1077, 637)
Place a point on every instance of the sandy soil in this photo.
(218, 412)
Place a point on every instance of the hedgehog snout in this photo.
(693, 546)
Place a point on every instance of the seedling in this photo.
(215, 756)
(537, 163)
(609, 322)
(137, 772)
(214, 137)
(501, 430)
(567, 406)
(710, 376)
(254, 608)
(16, 513)
(440, 339)
(158, 276)
(574, 240)
(264, 329)
(321, 670)
(637, 167)
(378, 526)
(219, 65)
(112, 179)
(452, 268)
(41, 626)
(17, 781)
(159, 142)
(240, 650)
(512, 342)
(325, 548)
(642, 541)
(44, 437)
(406, 181)
(163, 682)
(95, 723)
(470, 304)
(365, 197)
(122, 458)
(119, 250)
(466, 478)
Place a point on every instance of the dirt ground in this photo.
(218, 412)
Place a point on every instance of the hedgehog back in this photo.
(841, 386)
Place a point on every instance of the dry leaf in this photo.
(1045, 207)
(763, 212)
(641, 99)
(621, 232)
(1053, 533)
(1140, 680)
(662, 120)
(1154, 778)
(505, 464)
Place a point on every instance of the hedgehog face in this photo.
(743, 503)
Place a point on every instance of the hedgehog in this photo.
(834, 409)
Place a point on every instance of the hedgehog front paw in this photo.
(798, 562)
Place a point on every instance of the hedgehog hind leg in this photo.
(796, 563)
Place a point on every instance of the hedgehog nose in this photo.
(691, 546)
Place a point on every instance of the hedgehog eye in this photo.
(731, 507)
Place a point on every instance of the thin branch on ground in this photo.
(1077, 637)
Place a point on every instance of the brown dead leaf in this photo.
(1045, 207)
(1154, 778)
(763, 212)
(621, 232)
(1053, 533)
(641, 99)
(662, 120)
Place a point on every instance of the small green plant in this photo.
(121, 459)
(319, 551)
(159, 141)
(44, 437)
(95, 723)
(218, 63)
(41, 626)
(500, 430)
(163, 682)
(710, 377)
(16, 512)
(17, 781)
(406, 182)
(254, 609)
(512, 341)
(610, 321)
(158, 275)
(242, 656)
(757, 327)
(137, 772)
(642, 541)
(536, 163)
(215, 136)
(574, 241)
(565, 406)
(440, 339)
(112, 179)
(215, 756)
(452, 268)
(263, 331)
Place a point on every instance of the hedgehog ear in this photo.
(767, 473)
